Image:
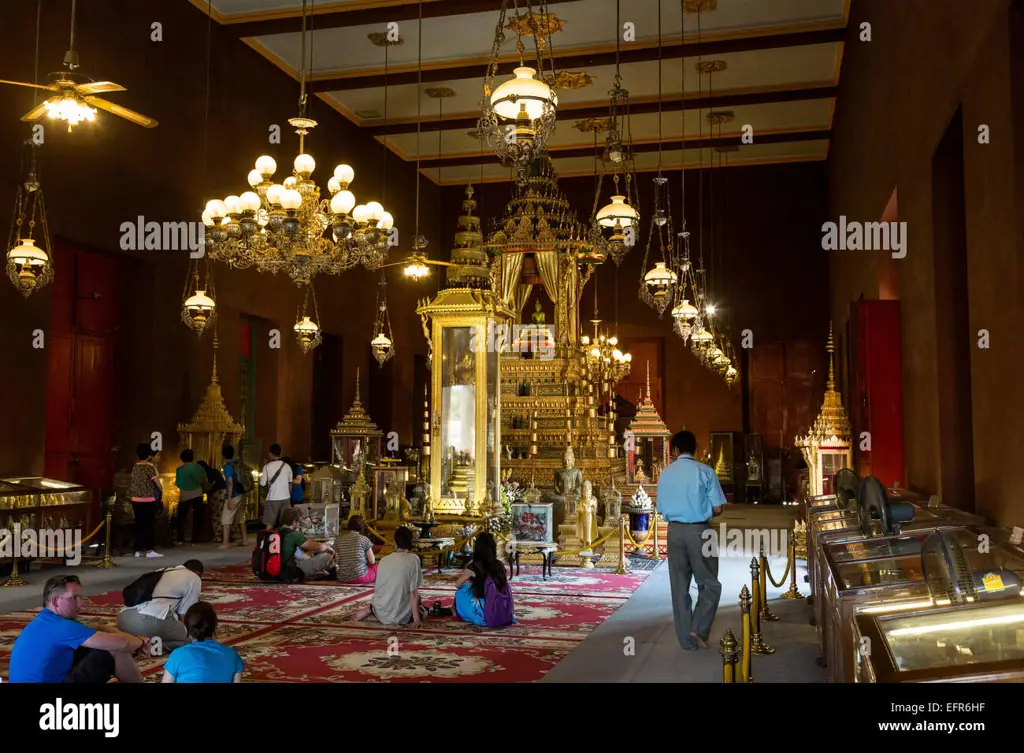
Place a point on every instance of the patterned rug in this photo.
(305, 632)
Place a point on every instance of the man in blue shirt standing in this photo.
(689, 496)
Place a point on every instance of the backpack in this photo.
(243, 479)
(266, 555)
(266, 559)
(140, 590)
(297, 491)
(498, 610)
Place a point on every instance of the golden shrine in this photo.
(553, 381)
(206, 434)
(828, 446)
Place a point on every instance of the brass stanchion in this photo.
(14, 579)
(106, 561)
(793, 592)
(727, 647)
(757, 644)
(622, 569)
(765, 613)
(655, 555)
(745, 670)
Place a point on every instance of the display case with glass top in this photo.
(59, 504)
(978, 642)
(911, 572)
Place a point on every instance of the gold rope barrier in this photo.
(643, 543)
(793, 592)
(766, 614)
(757, 644)
(15, 578)
(622, 569)
(727, 648)
(745, 648)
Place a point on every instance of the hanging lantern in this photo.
(307, 331)
(383, 344)
(382, 349)
(29, 266)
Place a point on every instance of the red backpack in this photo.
(266, 556)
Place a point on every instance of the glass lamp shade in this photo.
(304, 165)
(291, 199)
(386, 221)
(715, 352)
(207, 218)
(342, 202)
(344, 174)
(701, 335)
(266, 166)
(333, 185)
(361, 214)
(200, 303)
(290, 182)
(416, 269)
(628, 358)
(660, 277)
(527, 90)
(255, 178)
(27, 254)
(619, 211)
(685, 311)
(381, 346)
(585, 339)
(250, 201)
(274, 194)
(217, 209)
(374, 211)
(306, 327)
(233, 204)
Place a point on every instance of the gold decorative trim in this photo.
(601, 125)
(711, 66)
(380, 39)
(567, 80)
(532, 23)
(700, 6)
(440, 92)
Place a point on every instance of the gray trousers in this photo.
(315, 563)
(170, 629)
(272, 509)
(686, 560)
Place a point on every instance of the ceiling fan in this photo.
(75, 98)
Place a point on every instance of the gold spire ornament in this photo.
(828, 445)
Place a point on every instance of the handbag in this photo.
(158, 493)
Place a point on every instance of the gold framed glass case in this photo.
(979, 642)
(465, 434)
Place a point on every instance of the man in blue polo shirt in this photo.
(56, 648)
(689, 496)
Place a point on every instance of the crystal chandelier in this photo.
(29, 266)
(382, 344)
(519, 115)
(281, 226)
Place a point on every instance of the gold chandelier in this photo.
(519, 115)
(281, 227)
(29, 266)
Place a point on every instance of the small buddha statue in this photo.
(638, 474)
(656, 470)
(538, 315)
(568, 482)
(586, 516)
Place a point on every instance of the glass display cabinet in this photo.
(465, 434)
(326, 486)
(906, 573)
(40, 503)
(980, 642)
(356, 441)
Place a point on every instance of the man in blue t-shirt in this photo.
(56, 648)
(233, 512)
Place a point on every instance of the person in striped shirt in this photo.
(355, 560)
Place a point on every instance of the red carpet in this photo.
(305, 633)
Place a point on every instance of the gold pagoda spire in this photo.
(212, 424)
(832, 424)
(831, 364)
(357, 421)
(648, 379)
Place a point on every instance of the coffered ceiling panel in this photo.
(779, 64)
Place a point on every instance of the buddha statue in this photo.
(568, 482)
(656, 470)
(638, 474)
(538, 315)
(586, 517)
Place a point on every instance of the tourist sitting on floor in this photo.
(161, 617)
(396, 598)
(356, 562)
(204, 659)
(56, 648)
(483, 595)
(313, 559)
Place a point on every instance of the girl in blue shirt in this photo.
(204, 660)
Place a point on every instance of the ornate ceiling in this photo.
(779, 63)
